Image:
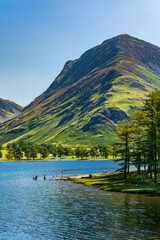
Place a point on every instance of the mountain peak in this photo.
(91, 94)
(120, 37)
(8, 110)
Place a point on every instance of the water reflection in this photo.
(63, 210)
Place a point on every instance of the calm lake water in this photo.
(55, 210)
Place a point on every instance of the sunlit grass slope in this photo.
(90, 95)
(135, 183)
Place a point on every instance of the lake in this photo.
(55, 210)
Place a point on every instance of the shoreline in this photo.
(70, 177)
(53, 160)
(112, 182)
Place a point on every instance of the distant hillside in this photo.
(8, 110)
(90, 95)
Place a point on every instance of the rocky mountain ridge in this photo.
(90, 95)
(9, 110)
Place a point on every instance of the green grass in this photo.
(135, 183)
(126, 97)
(152, 78)
(44, 123)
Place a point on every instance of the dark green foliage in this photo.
(14, 150)
(124, 131)
(67, 151)
(22, 144)
(113, 150)
(60, 150)
(81, 152)
(9, 156)
(43, 151)
(14, 145)
(93, 152)
(138, 144)
(78, 152)
(1, 154)
(84, 153)
(9, 146)
(104, 150)
(151, 125)
(18, 154)
(27, 152)
(31, 150)
(34, 151)
(140, 137)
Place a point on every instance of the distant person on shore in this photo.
(35, 178)
(44, 177)
(105, 172)
(61, 173)
(53, 175)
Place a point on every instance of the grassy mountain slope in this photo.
(90, 95)
(8, 110)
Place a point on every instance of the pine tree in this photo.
(124, 131)
(151, 125)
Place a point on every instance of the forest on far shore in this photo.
(138, 143)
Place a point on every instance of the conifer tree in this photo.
(151, 125)
(124, 131)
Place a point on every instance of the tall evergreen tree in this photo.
(124, 131)
(151, 124)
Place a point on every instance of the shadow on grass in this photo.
(135, 183)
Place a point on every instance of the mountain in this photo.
(90, 95)
(8, 110)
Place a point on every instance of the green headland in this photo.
(135, 183)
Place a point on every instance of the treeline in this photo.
(140, 138)
(20, 149)
(1, 154)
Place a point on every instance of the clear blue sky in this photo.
(37, 37)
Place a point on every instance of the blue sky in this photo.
(37, 37)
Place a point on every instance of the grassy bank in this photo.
(135, 183)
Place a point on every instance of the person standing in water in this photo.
(61, 173)
(44, 177)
